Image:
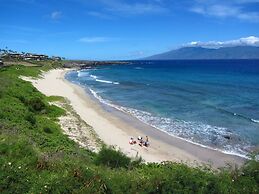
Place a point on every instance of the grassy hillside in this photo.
(36, 157)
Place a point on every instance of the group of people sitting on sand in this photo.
(141, 142)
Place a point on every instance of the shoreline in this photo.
(119, 111)
(115, 127)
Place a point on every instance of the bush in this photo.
(47, 130)
(54, 111)
(108, 156)
(251, 169)
(36, 104)
(31, 118)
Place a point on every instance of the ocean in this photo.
(211, 103)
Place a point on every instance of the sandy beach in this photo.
(116, 128)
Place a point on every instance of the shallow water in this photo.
(211, 103)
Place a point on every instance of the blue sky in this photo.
(122, 29)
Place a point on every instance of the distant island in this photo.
(188, 53)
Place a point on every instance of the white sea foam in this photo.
(101, 99)
(82, 73)
(103, 81)
(192, 132)
(106, 81)
(255, 121)
(93, 76)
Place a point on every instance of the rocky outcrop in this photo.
(89, 64)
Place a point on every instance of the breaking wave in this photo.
(212, 137)
(103, 81)
(82, 73)
(255, 121)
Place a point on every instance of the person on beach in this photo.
(146, 143)
(132, 141)
(140, 140)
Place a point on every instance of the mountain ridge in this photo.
(235, 52)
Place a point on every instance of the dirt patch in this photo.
(78, 130)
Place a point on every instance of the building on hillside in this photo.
(13, 56)
(35, 57)
(55, 58)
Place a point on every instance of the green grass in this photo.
(36, 157)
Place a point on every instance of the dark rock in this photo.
(90, 64)
(227, 137)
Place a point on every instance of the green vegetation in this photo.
(36, 157)
(115, 159)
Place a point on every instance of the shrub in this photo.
(251, 169)
(22, 99)
(47, 130)
(36, 104)
(112, 158)
(54, 111)
(31, 118)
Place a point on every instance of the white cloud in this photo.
(247, 1)
(99, 15)
(55, 15)
(135, 8)
(95, 39)
(138, 8)
(247, 41)
(234, 9)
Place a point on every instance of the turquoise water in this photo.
(210, 103)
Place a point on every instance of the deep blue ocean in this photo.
(213, 103)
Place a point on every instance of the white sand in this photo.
(115, 131)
